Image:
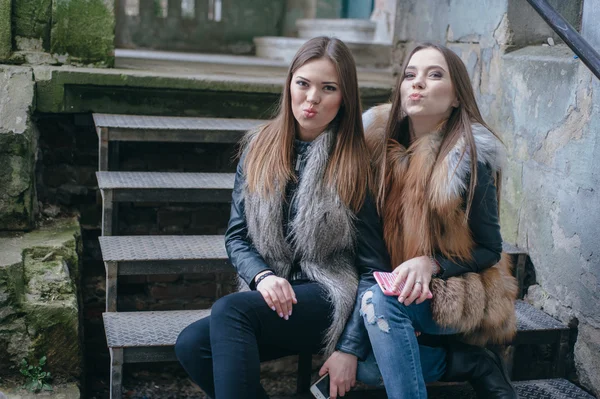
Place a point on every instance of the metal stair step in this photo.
(534, 326)
(166, 186)
(557, 388)
(147, 336)
(172, 129)
(144, 255)
(153, 329)
(150, 336)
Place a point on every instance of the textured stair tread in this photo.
(535, 389)
(149, 248)
(165, 180)
(143, 122)
(512, 249)
(532, 319)
(143, 329)
(148, 329)
(556, 388)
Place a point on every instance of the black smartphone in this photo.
(320, 389)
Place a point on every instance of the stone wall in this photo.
(39, 32)
(18, 137)
(83, 30)
(39, 314)
(59, 31)
(544, 104)
(5, 28)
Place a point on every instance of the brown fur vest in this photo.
(480, 306)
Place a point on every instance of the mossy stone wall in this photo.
(18, 145)
(5, 29)
(79, 31)
(39, 314)
(31, 20)
(84, 29)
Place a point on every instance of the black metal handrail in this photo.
(572, 38)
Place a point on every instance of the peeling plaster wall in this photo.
(546, 106)
(552, 200)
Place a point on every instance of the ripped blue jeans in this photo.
(404, 365)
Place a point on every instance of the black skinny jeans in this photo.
(222, 353)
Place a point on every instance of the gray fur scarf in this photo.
(322, 233)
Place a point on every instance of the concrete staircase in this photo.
(135, 337)
(358, 34)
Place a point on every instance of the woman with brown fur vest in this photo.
(437, 166)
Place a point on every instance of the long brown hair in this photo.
(456, 126)
(268, 162)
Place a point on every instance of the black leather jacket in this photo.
(484, 226)
(371, 254)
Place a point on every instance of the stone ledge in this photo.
(63, 391)
(67, 89)
(55, 234)
(226, 64)
(557, 53)
(366, 54)
(348, 30)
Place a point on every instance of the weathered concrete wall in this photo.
(552, 193)
(545, 105)
(328, 9)
(384, 14)
(295, 10)
(5, 29)
(18, 138)
(589, 22)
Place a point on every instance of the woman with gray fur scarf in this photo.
(303, 232)
(437, 167)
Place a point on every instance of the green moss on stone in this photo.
(32, 19)
(12, 289)
(50, 307)
(16, 180)
(53, 327)
(51, 272)
(5, 29)
(83, 29)
(38, 298)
